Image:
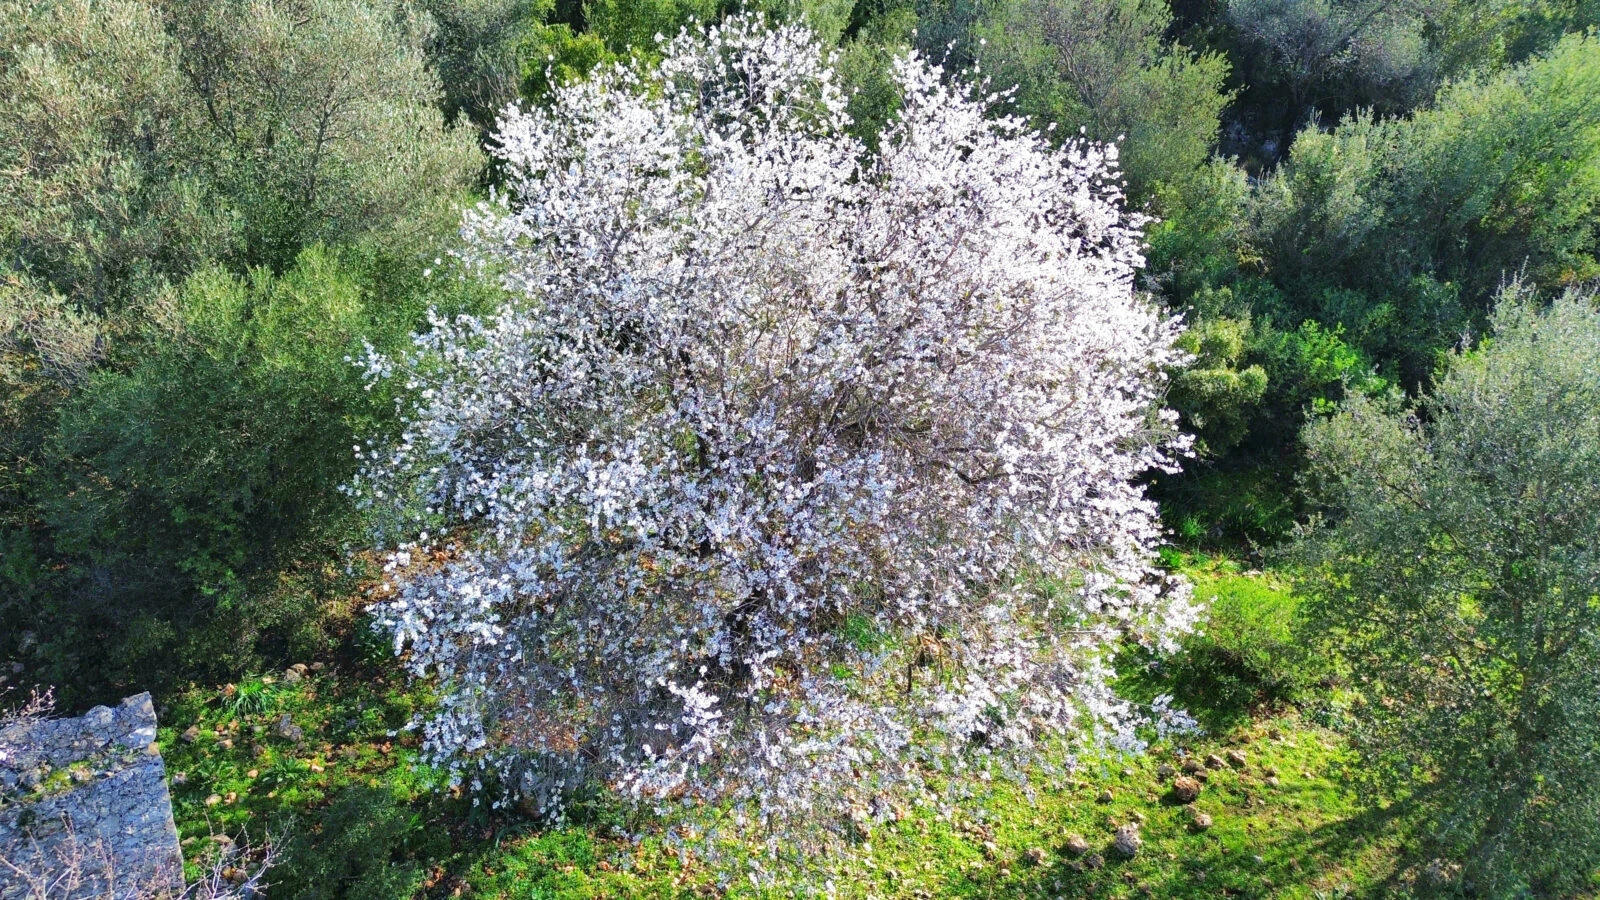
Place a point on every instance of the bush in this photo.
(189, 510)
(367, 845)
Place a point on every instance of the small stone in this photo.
(1272, 781)
(1093, 861)
(1137, 816)
(180, 778)
(232, 798)
(1076, 845)
(225, 743)
(253, 773)
(1127, 841)
(1270, 772)
(1165, 771)
(190, 734)
(317, 667)
(1214, 762)
(990, 850)
(1106, 796)
(1185, 789)
(1127, 773)
(213, 800)
(286, 729)
(1236, 758)
(316, 768)
(292, 676)
(1034, 856)
(1191, 766)
(1198, 820)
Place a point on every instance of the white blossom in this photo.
(788, 469)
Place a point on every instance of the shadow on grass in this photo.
(1361, 857)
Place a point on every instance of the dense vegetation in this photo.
(1377, 219)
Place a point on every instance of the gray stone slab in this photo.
(84, 807)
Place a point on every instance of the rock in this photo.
(1440, 873)
(1236, 758)
(190, 734)
(1093, 861)
(286, 729)
(225, 743)
(1270, 772)
(1198, 820)
(1127, 842)
(1137, 816)
(1191, 766)
(1165, 771)
(1075, 845)
(292, 676)
(1034, 856)
(990, 849)
(1106, 796)
(1272, 781)
(180, 778)
(1214, 762)
(1127, 773)
(1185, 789)
(253, 774)
(213, 800)
(317, 667)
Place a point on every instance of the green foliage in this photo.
(553, 55)
(1459, 577)
(191, 503)
(102, 190)
(1214, 392)
(319, 123)
(1106, 67)
(1402, 229)
(629, 26)
(479, 49)
(361, 849)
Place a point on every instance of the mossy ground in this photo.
(356, 816)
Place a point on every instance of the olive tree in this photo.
(1107, 67)
(1459, 573)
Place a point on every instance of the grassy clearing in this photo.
(337, 782)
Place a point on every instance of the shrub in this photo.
(756, 391)
(190, 508)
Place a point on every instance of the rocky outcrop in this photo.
(84, 805)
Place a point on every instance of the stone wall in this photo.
(84, 807)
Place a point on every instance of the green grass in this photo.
(356, 817)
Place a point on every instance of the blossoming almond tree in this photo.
(786, 469)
